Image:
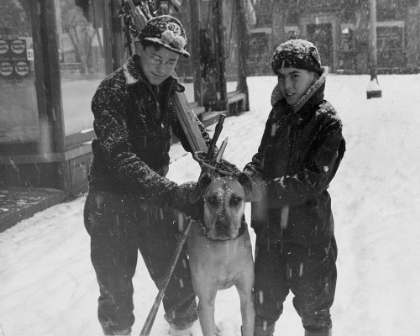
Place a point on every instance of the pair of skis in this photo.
(136, 16)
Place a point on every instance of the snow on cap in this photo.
(166, 31)
(299, 54)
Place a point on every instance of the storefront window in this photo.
(390, 41)
(390, 38)
(82, 64)
(19, 122)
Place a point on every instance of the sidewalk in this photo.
(17, 204)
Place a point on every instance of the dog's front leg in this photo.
(206, 304)
(247, 312)
(205, 287)
(244, 287)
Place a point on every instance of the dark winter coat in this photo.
(133, 128)
(299, 154)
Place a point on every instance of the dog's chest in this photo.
(220, 262)
(228, 274)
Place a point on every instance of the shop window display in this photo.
(390, 41)
(19, 122)
(82, 64)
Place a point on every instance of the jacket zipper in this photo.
(158, 104)
(165, 111)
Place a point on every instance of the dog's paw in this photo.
(192, 330)
(227, 328)
(177, 332)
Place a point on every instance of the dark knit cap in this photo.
(166, 31)
(299, 54)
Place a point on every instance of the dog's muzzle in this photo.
(222, 231)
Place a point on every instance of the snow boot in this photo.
(193, 329)
(264, 330)
(318, 333)
(125, 332)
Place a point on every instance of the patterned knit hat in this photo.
(166, 31)
(299, 54)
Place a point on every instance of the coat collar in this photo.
(314, 94)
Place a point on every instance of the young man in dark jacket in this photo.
(299, 154)
(130, 204)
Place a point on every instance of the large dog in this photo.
(220, 252)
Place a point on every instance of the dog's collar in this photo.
(205, 231)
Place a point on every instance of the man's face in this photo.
(157, 65)
(293, 83)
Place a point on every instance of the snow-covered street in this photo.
(48, 286)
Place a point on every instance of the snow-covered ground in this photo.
(48, 286)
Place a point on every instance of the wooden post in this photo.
(242, 51)
(117, 35)
(279, 15)
(52, 127)
(220, 53)
(373, 89)
(55, 118)
(45, 143)
(195, 42)
(111, 64)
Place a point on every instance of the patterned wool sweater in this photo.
(133, 123)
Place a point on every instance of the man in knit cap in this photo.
(131, 206)
(299, 154)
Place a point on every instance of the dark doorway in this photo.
(321, 36)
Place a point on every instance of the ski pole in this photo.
(221, 150)
(216, 135)
(147, 327)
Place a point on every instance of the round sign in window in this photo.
(22, 68)
(4, 47)
(18, 46)
(6, 69)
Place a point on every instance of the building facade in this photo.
(340, 30)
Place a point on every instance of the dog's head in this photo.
(224, 203)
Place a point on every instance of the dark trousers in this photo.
(308, 271)
(119, 227)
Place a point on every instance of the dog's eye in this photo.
(214, 201)
(235, 200)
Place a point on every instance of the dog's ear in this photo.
(203, 183)
(252, 192)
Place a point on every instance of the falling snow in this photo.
(48, 285)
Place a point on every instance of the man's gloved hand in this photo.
(182, 203)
